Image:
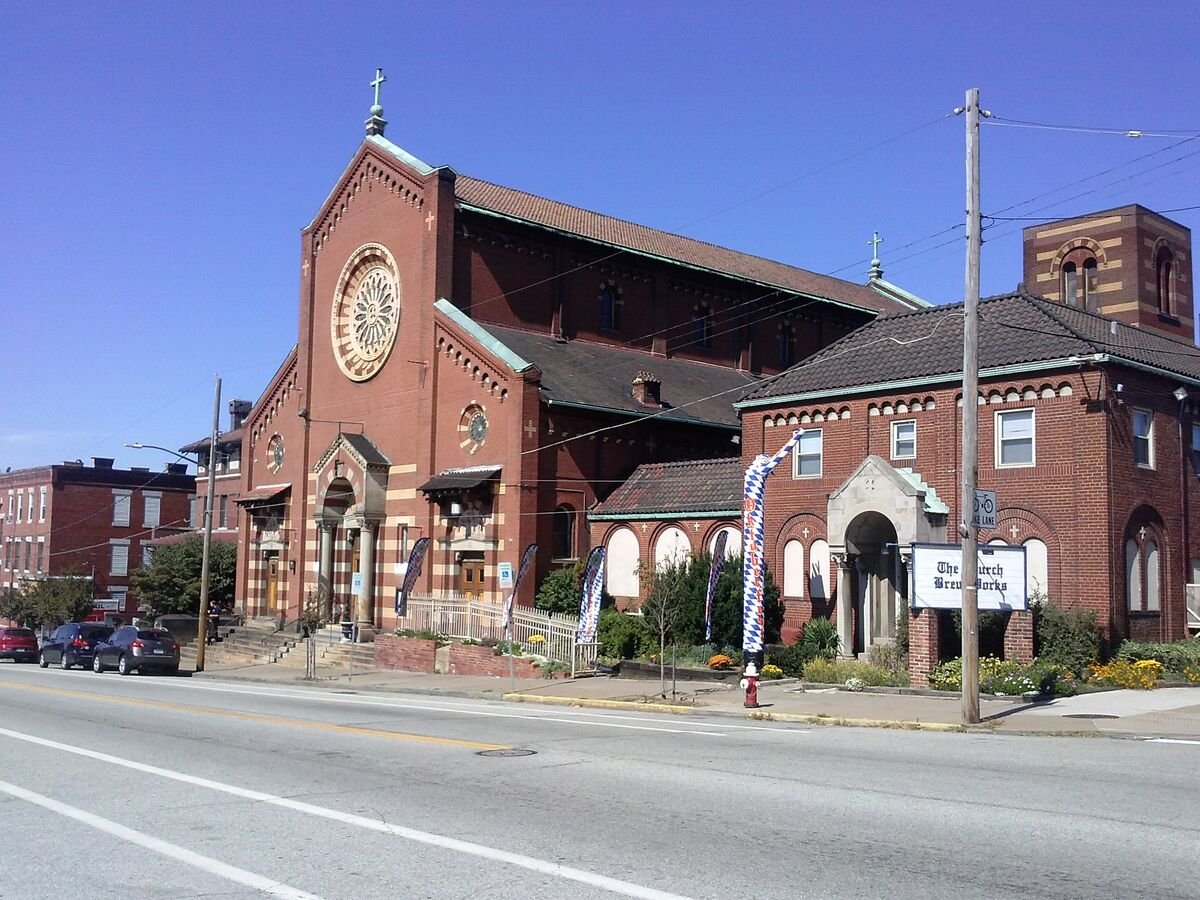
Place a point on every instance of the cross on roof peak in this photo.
(379, 79)
(376, 123)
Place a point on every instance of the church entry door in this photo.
(470, 575)
(273, 583)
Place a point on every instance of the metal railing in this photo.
(551, 635)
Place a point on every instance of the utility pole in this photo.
(202, 637)
(967, 530)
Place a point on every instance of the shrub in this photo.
(1067, 637)
(1175, 657)
(559, 591)
(1142, 675)
(423, 634)
(854, 683)
(622, 636)
(790, 659)
(720, 661)
(839, 671)
(1192, 674)
(771, 673)
(947, 676)
(1053, 680)
(819, 639)
(890, 657)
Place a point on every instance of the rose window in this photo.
(374, 317)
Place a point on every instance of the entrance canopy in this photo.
(270, 495)
(456, 481)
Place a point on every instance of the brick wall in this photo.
(404, 654)
(471, 659)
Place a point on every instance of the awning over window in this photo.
(264, 496)
(459, 479)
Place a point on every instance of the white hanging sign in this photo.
(936, 581)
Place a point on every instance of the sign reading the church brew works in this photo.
(937, 577)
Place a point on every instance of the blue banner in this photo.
(415, 559)
(714, 573)
(526, 562)
(590, 591)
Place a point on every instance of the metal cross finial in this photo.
(379, 79)
(874, 242)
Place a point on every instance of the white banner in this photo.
(937, 577)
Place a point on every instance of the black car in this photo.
(132, 649)
(72, 644)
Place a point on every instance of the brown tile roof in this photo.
(698, 486)
(641, 239)
(1014, 329)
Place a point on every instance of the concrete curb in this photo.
(551, 700)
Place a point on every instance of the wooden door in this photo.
(273, 584)
(470, 577)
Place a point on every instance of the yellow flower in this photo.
(537, 639)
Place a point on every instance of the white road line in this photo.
(158, 845)
(613, 885)
(1170, 741)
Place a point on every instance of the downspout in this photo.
(1185, 555)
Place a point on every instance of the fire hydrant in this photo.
(750, 686)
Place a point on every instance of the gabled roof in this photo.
(486, 197)
(599, 376)
(1017, 331)
(702, 487)
(224, 439)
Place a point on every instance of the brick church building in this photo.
(1088, 432)
(480, 366)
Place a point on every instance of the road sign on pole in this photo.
(985, 510)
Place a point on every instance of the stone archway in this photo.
(877, 580)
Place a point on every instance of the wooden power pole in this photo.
(967, 530)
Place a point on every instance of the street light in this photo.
(202, 624)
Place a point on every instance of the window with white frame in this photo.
(121, 502)
(152, 503)
(904, 440)
(1015, 432)
(20, 506)
(819, 587)
(224, 520)
(806, 458)
(119, 594)
(29, 554)
(29, 515)
(147, 554)
(9, 508)
(120, 558)
(1142, 573)
(42, 504)
(7, 552)
(794, 573)
(41, 554)
(1143, 438)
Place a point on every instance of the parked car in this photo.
(132, 649)
(72, 644)
(18, 644)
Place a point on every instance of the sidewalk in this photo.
(1164, 713)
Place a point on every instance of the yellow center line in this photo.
(259, 717)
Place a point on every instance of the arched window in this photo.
(1133, 575)
(621, 564)
(787, 340)
(1037, 568)
(733, 541)
(671, 548)
(610, 307)
(1150, 552)
(1143, 572)
(702, 320)
(1090, 274)
(1164, 267)
(818, 571)
(793, 569)
(1070, 284)
(564, 533)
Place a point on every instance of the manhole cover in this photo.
(509, 752)
(1090, 716)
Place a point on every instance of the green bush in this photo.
(947, 676)
(1067, 637)
(559, 591)
(1008, 677)
(889, 657)
(838, 671)
(623, 636)
(790, 659)
(819, 640)
(1175, 657)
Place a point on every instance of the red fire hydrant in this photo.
(750, 686)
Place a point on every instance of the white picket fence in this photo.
(463, 617)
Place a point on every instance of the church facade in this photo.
(481, 366)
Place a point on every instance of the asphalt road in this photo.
(171, 787)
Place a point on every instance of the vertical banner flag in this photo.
(589, 600)
(526, 562)
(753, 564)
(714, 573)
(415, 559)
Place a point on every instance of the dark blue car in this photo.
(72, 644)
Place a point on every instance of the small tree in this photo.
(171, 583)
(559, 590)
(54, 600)
(664, 604)
(16, 606)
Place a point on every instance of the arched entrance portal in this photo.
(345, 574)
(877, 583)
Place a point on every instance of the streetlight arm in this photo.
(138, 445)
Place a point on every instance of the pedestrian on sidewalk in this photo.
(214, 621)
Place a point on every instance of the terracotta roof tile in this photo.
(696, 486)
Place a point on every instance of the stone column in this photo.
(325, 569)
(364, 616)
(845, 603)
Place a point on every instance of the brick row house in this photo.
(480, 366)
(97, 522)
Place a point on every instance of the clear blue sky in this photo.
(158, 161)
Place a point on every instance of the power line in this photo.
(1003, 122)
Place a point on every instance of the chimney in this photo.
(176, 469)
(102, 462)
(145, 469)
(238, 410)
(647, 389)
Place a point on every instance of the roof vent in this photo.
(176, 469)
(102, 462)
(647, 389)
